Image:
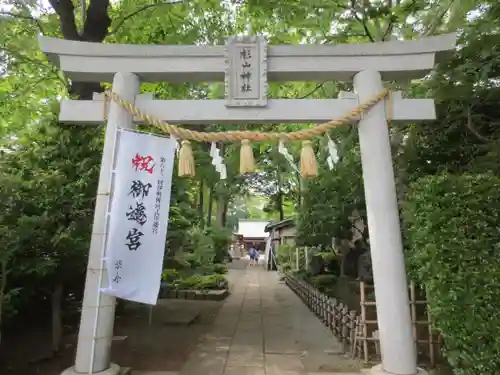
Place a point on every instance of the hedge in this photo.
(453, 240)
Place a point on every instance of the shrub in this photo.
(328, 256)
(220, 268)
(191, 282)
(454, 242)
(212, 282)
(171, 276)
(285, 253)
(192, 260)
(176, 263)
(211, 269)
(200, 282)
(301, 274)
(199, 250)
(221, 239)
(324, 282)
(284, 267)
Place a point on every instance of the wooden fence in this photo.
(358, 333)
(427, 343)
(333, 313)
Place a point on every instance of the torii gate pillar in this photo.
(391, 287)
(98, 309)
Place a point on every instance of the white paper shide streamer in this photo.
(333, 155)
(139, 216)
(218, 161)
(284, 151)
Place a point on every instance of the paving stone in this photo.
(179, 312)
(322, 362)
(216, 344)
(279, 371)
(291, 362)
(249, 329)
(284, 346)
(244, 371)
(247, 347)
(205, 363)
(248, 358)
(181, 318)
(249, 338)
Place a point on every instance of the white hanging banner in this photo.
(223, 172)
(218, 161)
(177, 148)
(333, 155)
(214, 151)
(139, 216)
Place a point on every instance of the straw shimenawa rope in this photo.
(186, 163)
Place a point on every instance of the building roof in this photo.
(252, 228)
(289, 222)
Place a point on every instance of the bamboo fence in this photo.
(358, 333)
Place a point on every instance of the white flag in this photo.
(284, 151)
(223, 172)
(214, 151)
(332, 150)
(218, 161)
(139, 216)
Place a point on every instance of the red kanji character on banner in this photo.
(143, 163)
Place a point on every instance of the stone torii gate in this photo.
(246, 64)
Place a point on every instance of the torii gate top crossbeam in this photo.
(97, 62)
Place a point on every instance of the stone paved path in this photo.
(264, 329)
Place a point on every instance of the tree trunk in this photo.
(224, 214)
(342, 266)
(280, 206)
(210, 204)
(221, 202)
(280, 195)
(300, 192)
(95, 29)
(220, 211)
(201, 202)
(3, 285)
(57, 330)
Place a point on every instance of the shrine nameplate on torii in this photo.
(246, 72)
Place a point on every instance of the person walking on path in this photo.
(251, 254)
